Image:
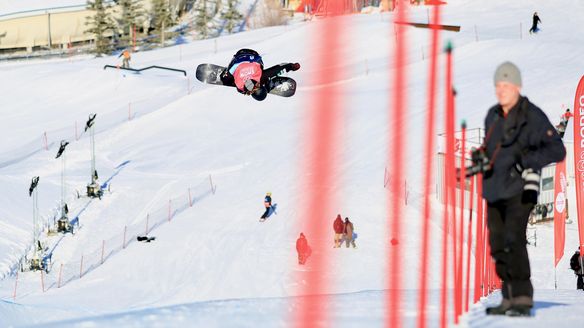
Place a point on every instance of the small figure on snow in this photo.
(339, 228)
(267, 205)
(565, 118)
(348, 233)
(536, 20)
(576, 265)
(246, 72)
(303, 249)
(127, 58)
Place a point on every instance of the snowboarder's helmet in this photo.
(260, 94)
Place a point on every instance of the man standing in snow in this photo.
(519, 142)
(303, 249)
(576, 265)
(267, 205)
(339, 228)
(348, 233)
(536, 20)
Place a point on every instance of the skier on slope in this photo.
(303, 249)
(576, 265)
(339, 228)
(246, 72)
(267, 205)
(536, 20)
(565, 118)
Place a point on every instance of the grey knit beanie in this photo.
(508, 72)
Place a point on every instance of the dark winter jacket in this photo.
(267, 201)
(348, 229)
(524, 139)
(536, 20)
(338, 225)
(575, 263)
(302, 244)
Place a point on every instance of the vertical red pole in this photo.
(397, 110)
(479, 246)
(43, 280)
(450, 213)
(468, 244)
(487, 256)
(60, 276)
(15, 287)
(429, 153)
(318, 167)
(460, 233)
(102, 250)
(81, 268)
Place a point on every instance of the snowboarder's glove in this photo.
(294, 67)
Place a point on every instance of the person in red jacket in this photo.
(303, 249)
(339, 227)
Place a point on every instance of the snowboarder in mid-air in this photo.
(246, 72)
(564, 123)
(536, 20)
(267, 205)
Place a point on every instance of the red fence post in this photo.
(212, 186)
(46, 141)
(102, 250)
(60, 275)
(81, 268)
(190, 199)
(124, 243)
(15, 286)
(43, 280)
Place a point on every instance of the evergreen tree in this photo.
(231, 15)
(206, 10)
(161, 17)
(99, 25)
(131, 17)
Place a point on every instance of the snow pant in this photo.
(507, 223)
(580, 282)
(533, 29)
(126, 63)
(265, 215)
(350, 241)
(338, 239)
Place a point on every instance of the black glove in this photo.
(529, 197)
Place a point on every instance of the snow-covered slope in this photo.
(181, 132)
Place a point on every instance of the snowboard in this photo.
(270, 212)
(280, 85)
(145, 239)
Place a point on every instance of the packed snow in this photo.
(160, 134)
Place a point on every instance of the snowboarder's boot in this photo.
(500, 309)
(519, 311)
